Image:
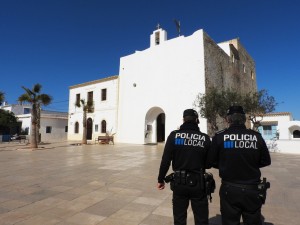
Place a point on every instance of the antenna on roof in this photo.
(177, 23)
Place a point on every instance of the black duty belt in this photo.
(243, 186)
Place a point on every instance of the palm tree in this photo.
(36, 99)
(2, 97)
(86, 107)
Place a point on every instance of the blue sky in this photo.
(60, 43)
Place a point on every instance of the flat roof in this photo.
(94, 82)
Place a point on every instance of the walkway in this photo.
(64, 184)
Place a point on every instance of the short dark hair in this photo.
(236, 118)
(190, 119)
(235, 109)
(190, 112)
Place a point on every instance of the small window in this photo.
(157, 41)
(90, 102)
(48, 130)
(96, 127)
(252, 75)
(66, 129)
(76, 130)
(90, 96)
(267, 130)
(232, 58)
(77, 99)
(103, 94)
(103, 126)
(26, 110)
(244, 68)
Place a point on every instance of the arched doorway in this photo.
(154, 126)
(294, 131)
(160, 128)
(103, 126)
(296, 134)
(89, 129)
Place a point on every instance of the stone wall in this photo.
(228, 67)
(235, 71)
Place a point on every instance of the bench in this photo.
(19, 138)
(105, 139)
(23, 137)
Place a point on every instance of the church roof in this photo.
(94, 82)
(279, 114)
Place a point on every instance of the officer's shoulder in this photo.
(204, 134)
(173, 134)
(221, 131)
(253, 131)
(174, 131)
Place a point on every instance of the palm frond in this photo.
(29, 92)
(45, 99)
(2, 97)
(25, 98)
(37, 88)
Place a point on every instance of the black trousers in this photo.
(182, 195)
(237, 202)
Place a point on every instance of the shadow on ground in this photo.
(217, 220)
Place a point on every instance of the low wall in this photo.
(5, 138)
(286, 146)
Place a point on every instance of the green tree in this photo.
(2, 97)
(257, 104)
(36, 99)
(86, 107)
(7, 120)
(213, 106)
(208, 105)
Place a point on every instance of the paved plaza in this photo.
(65, 184)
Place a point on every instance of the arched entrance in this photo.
(160, 128)
(89, 129)
(294, 131)
(296, 134)
(154, 126)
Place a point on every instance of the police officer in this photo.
(239, 153)
(187, 149)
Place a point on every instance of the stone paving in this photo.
(66, 184)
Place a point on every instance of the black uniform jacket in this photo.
(186, 148)
(238, 153)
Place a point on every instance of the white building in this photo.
(146, 101)
(54, 125)
(281, 127)
(103, 119)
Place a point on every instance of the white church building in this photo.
(145, 102)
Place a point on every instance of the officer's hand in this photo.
(160, 186)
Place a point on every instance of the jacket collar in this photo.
(189, 126)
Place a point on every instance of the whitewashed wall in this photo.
(287, 129)
(286, 124)
(17, 109)
(163, 78)
(103, 110)
(58, 126)
(284, 146)
(26, 121)
(57, 122)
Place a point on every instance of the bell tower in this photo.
(158, 36)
